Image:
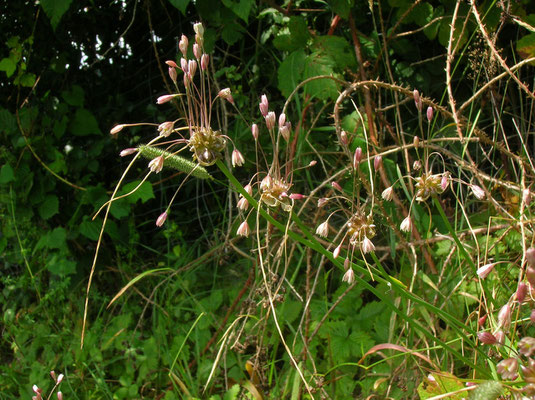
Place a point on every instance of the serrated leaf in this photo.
(341, 7)
(181, 5)
(7, 65)
(290, 72)
(84, 123)
(61, 266)
(232, 32)
(324, 88)
(361, 342)
(442, 383)
(91, 229)
(143, 192)
(337, 48)
(49, 207)
(54, 9)
(297, 37)
(26, 80)
(56, 239)
(6, 174)
(242, 8)
(232, 393)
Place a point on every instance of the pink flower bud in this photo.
(521, 292)
(335, 185)
(349, 276)
(266, 183)
(116, 129)
(243, 204)
(478, 192)
(530, 275)
(264, 105)
(249, 189)
(388, 193)
(197, 51)
(184, 65)
(343, 138)
(237, 158)
(161, 219)
(526, 196)
(270, 120)
(532, 316)
(357, 157)
(60, 396)
(60, 379)
(297, 196)
(486, 338)
(192, 68)
(346, 264)
(183, 45)
(485, 270)
(312, 163)
(445, 181)
(226, 94)
(254, 131)
(322, 202)
(156, 164)
(172, 74)
(367, 246)
(166, 128)
(500, 337)
(172, 64)
(406, 225)
(198, 28)
(336, 251)
(165, 98)
(127, 152)
(205, 59)
(508, 368)
(429, 113)
(481, 321)
(416, 141)
(377, 161)
(416, 165)
(530, 257)
(323, 229)
(243, 229)
(53, 375)
(417, 100)
(282, 120)
(285, 132)
(504, 316)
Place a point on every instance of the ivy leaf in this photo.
(290, 72)
(181, 5)
(241, 8)
(49, 207)
(54, 9)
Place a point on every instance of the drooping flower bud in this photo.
(521, 292)
(270, 120)
(481, 321)
(161, 219)
(532, 316)
(183, 45)
(237, 158)
(264, 105)
(367, 246)
(336, 251)
(53, 375)
(172, 74)
(526, 346)
(500, 337)
(417, 100)
(445, 181)
(416, 165)
(205, 59)
(171, 63)
(165, 98)
(357, 157)
(226, 94)
(486, 338)
(254, 131)
(156, 164)
(504, 316)
(388, 193)
(416, 141)
(197, 51)
(508, 368)
(285, 131)
(530, 257)
(485, 270)
(243, 204)
(266, 183)
(406, 225)
(343, 138)
(312, 163)
(377, 161)
(127, 152)
(349, 276)
(166, 128)
(297, 196)
(337, 186)
(243, 229)
(116, 129)
(530, 275)
(429, 113)
(323, 229)
(322, 201)
(478, 192)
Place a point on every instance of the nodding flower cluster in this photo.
(39, 392)
(205, 143)
(274, 189)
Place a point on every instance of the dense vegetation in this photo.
(298, 199)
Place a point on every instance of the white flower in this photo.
(336, 251)
(366, 245)
(406, 225)
(485, 270)
(388, 193)
(243, 229)
(237, 158)
(323, 229)
(243, 204)
(349, 276)
(156, 164)
(478, 192)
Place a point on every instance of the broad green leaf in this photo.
(143, 193)
(241, 8)
(422, 13)
(84, 123)
(53, 240)
(54, 9)
(442, 383)
(338, 49)
(341, 7)
(7, 65)
(6, 174)
(26, 80)
(232, 32)
(322, 88)
(61, 266)
(525, 47)
(181, 5)
(232, 393)
(49, 207)
(297, 37)
(8, 123)
(120, 208)
(290, 72)
(91, 229)
(74, 97)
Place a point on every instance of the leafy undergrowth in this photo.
(338, 207)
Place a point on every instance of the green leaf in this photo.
(241, 8)
(422, 14)
(49, 207)
(26, 80)
(91, 229)
(525, 47)
(6, 174)
(296, 39)
(290, 72)
(143, 193)
(324, 88)
(8, 123)
(181, 5)
(232, 393)
(443, 383)
(337, 48)
(361, 342)
(84, 123)
(74, 97)
(54, 9)
(232, 32)
(7, 65)
(61, 266)
(56, 239)
(341, 7)
(120, 208)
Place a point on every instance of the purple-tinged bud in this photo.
(249, 189)
(500, 337)
(526, 346)
(417, 100)
(530, 257)
(270, 120)
(486, 338)
(521, 292)
(335, 185)
(416, 141)
(205, 59)
(116, 129)
(172, 74)
(322, 202)
(166, 128)
(165, 98)
(243, 229)
(297, 196)
(357, 157)
(481, 321)
(60, 396)
(377, 162)
(197, 51)
(445, 181)
(161, 219)
(336, 251)
(127, 152)
(478, 192)
(530, 275)
(282, 120)
(416, 165)
(183, 45)
(508, 368)
(285, 131)
(171, 64)
(192, 68)
(264, 105)
(156, 164)
(266, 183)
(184, 65)
(254, 131)
(346, 264)
(343, 138)
(237, 158)
(429, 113)
(485, 270)
(226, 94)
(349, 276)
(504, 316)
